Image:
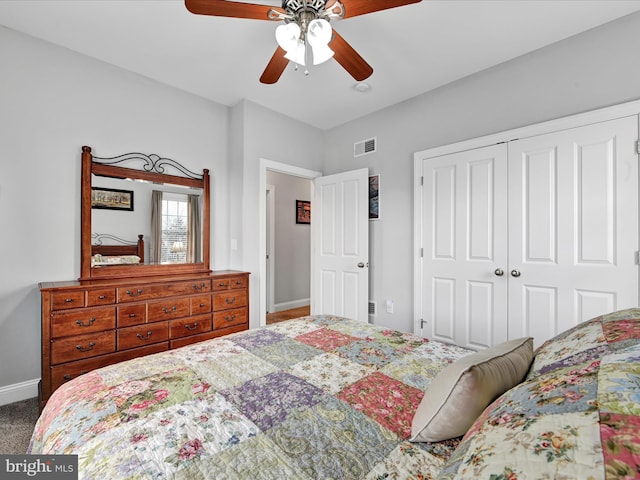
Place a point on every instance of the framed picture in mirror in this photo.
(111, 199)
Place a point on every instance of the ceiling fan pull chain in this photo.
(306, 55)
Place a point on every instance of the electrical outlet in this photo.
(389, 306)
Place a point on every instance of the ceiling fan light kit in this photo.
(306, 30)
(295, 41)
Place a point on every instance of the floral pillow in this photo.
(577, 415)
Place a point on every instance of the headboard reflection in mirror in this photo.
(155, 200)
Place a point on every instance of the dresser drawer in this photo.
(229, 283)
(129, 315)
(185, 327)
(69, 299)
(82, 346)
(63, 373)
(200, 304)
(105, 296)
(133, 337)
(78, 322)
(168, 309)
(229, 318)
(230, 299)
(68, 371)
(135, 293)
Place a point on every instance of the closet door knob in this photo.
(515, 273)
(498, 272)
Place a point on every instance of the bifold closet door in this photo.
(464, 297)
(573, 227)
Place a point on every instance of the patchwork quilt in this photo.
(318, 397)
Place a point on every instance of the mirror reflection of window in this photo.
(175, 227)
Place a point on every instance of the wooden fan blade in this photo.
(353, 8)
(350, 60)
(275, 67)
(224, 8)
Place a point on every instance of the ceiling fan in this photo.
(306, 31)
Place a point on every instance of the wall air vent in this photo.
(364, 147)
(373, 307)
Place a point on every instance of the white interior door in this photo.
(340, 245)
(464, 236)
(573, 227)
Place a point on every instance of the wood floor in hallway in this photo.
(276, 317)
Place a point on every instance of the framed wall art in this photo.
(303, 212)
(374, 197)
(111, 199)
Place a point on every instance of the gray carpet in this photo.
(16, 426)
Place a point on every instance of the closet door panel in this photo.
(573, 226)
(595, 222)
(443, 303)
(539, 311)
(464, 232)
(538, 197)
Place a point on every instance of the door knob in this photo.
(498, 272)
(360, 264)
(515, 273)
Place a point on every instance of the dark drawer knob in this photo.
(199, 287)
(86, 349)
(101, 297)
(230, 300)
(169, 310)
(191, 327)
(68, 300)
(134, 294)
(230, 318)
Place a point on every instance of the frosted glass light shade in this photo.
(319, 32)
(319, 35)
(321, 53)
(287, 36)
(297, 53)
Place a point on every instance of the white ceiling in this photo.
(412, 49)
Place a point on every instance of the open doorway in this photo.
(288, 239)
(269, 266)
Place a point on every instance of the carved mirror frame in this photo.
(152, 170)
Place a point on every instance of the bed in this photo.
(316, 397)
(117, 252)
(324, 397)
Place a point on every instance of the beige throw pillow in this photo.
(460, 392)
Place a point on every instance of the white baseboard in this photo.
(278, 307)
(19, 391)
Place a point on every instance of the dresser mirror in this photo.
(142, 215)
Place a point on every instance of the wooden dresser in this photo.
(91, 324)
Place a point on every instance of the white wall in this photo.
(265, 135)
(53, 101)
(292, 249)
(595, 69)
